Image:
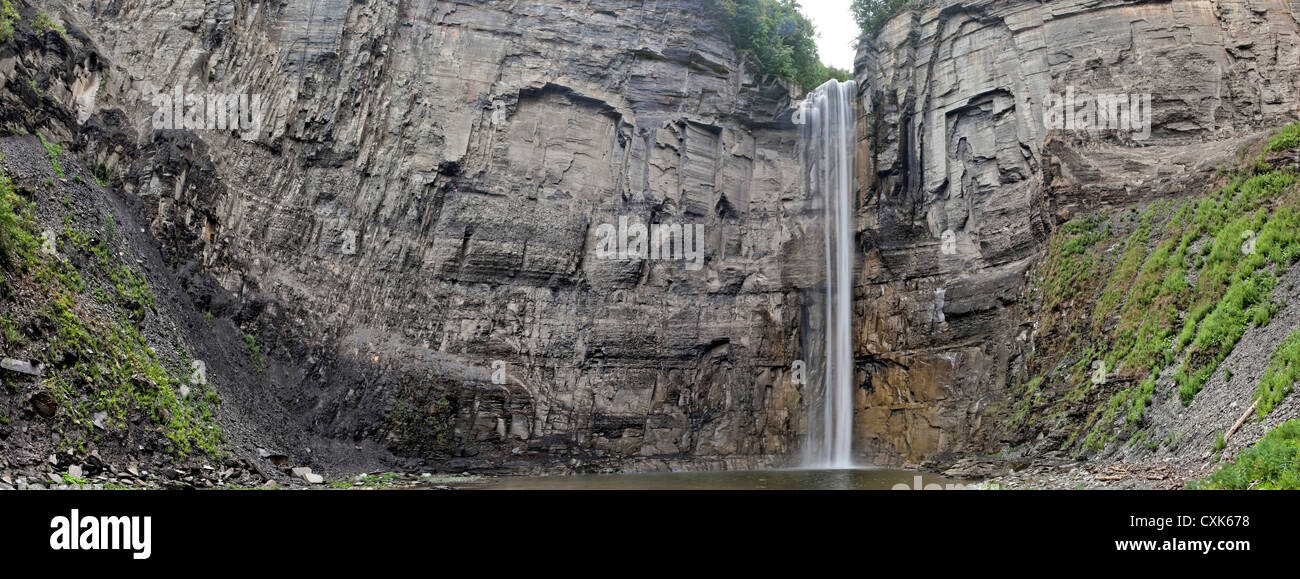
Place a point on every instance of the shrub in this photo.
(17, 241)
(872, 14)
(781, 38)
(8, 21)
(1273, 463)
(255, 354)
(44, 24)
(1287, 139)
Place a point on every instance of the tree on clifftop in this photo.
(781, 37)
(872, 14)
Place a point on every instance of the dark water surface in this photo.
(838, 479)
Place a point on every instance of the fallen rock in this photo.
(305, 473)
(44, 404)
(20, 367)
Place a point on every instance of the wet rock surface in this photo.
(421, 201)
(962, 182)
(422, 198)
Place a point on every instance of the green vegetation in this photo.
(386, 479)
(1272, 464)
(131, 288)
(9, 332)
(74, 481)
(1072, 266)
(125, 374)
(8, 21)
(1028, 396)
(781, 37)
(255, 353)
(872, 14)
(391, 479)
(1175, 291)
(1288, 138)
(100, 367)
(17, 224)
(1283, 370)
(53, 150)
(103, 175)
(1233, 290)
(44, 24)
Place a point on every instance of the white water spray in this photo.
(829, 133)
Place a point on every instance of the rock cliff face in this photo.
(411, 230)
(962, 180)
(422, 199)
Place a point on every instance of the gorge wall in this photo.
(962, 183)
(423, 195)
(422, 199)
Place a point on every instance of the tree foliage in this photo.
(872, 14)
(783, 39)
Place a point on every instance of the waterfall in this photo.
(829, 136)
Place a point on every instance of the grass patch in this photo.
(1283, 370)
(1288, 138)
(125, 374)
(1272, 464)
(74, 481)
(255, 353)
(18, 241)
(99, 363)
(1070, 267)
(8, 21)
(1193, 276)
(1245, 299)
(53, 150)
(45, 24)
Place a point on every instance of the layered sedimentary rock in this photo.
(963, 177)
(422, 198)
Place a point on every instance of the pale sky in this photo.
(836, 31)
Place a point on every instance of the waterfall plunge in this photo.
(829, 134)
